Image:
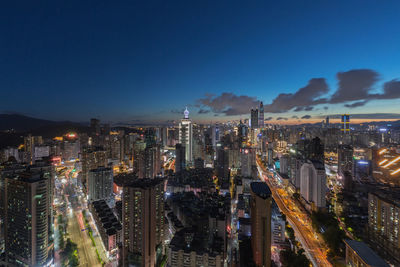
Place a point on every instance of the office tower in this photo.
(261, 223)
(247, 161)
(29, 147)
(254, 118)
(284, 164)
(261, 116)
(345, 159)
(180, 161)
(26, 220)
(152, 161)
(186, 136)
(100, 184)
(270, 154)
(313, 184)
(384, 223)
(143, 221)
(345, 123)
(222, 164)
(138, 158)
(327, 122)
(95, 126)
(92, 158)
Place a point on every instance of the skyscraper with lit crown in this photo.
(186, 135)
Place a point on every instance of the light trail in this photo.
(391, 162)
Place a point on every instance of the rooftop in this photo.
(366, 253)
(260, 189)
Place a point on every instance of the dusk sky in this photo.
(147, 60)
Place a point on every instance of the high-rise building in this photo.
(143, 221)
(152, 161)
(27, 207)
(261, 116)
(345, 123)
(100, 184)
(261, 223)
(384, 224)
(313, 183)
(180, 161)
(95, 126)
(327, 122)
(254, 118)
(92, 158)
(186, 136)
(345, 159)
(359, 254)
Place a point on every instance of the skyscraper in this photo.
(27, 222)
(261, 223)
(143, 221)
(261, 116)
(180, 162)
(345, 123)
(345, 159)
(254, 118)
(313, 184)
(186, 135)
(100, 184)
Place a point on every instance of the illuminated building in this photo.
(313, 183)
(185, 249)
(345, 159)
(100, 184)
(142, 221)
(358, 254)
(261, 223)
(26, 223)
(254, 118)
(186, 136)
(261, 116)
(109, 227)
(345, 123)
(384, 223)
(92, 158)
(29, 146)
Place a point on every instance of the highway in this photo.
(314, 247)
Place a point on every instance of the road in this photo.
(87, 253)
(314, 247)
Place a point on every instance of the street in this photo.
(314, 247)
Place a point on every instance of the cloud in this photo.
(203, 111)
(281, 118)
(306, 117)
(368, 116)
(176, 111)
(294, 117)
(354, 85)
(268, 119)
(355, 89)
(229, 103)
(356, 104)
(303, 99)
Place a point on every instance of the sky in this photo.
(132, 61)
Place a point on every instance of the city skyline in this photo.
(305, 61)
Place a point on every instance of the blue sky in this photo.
(141, 60)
